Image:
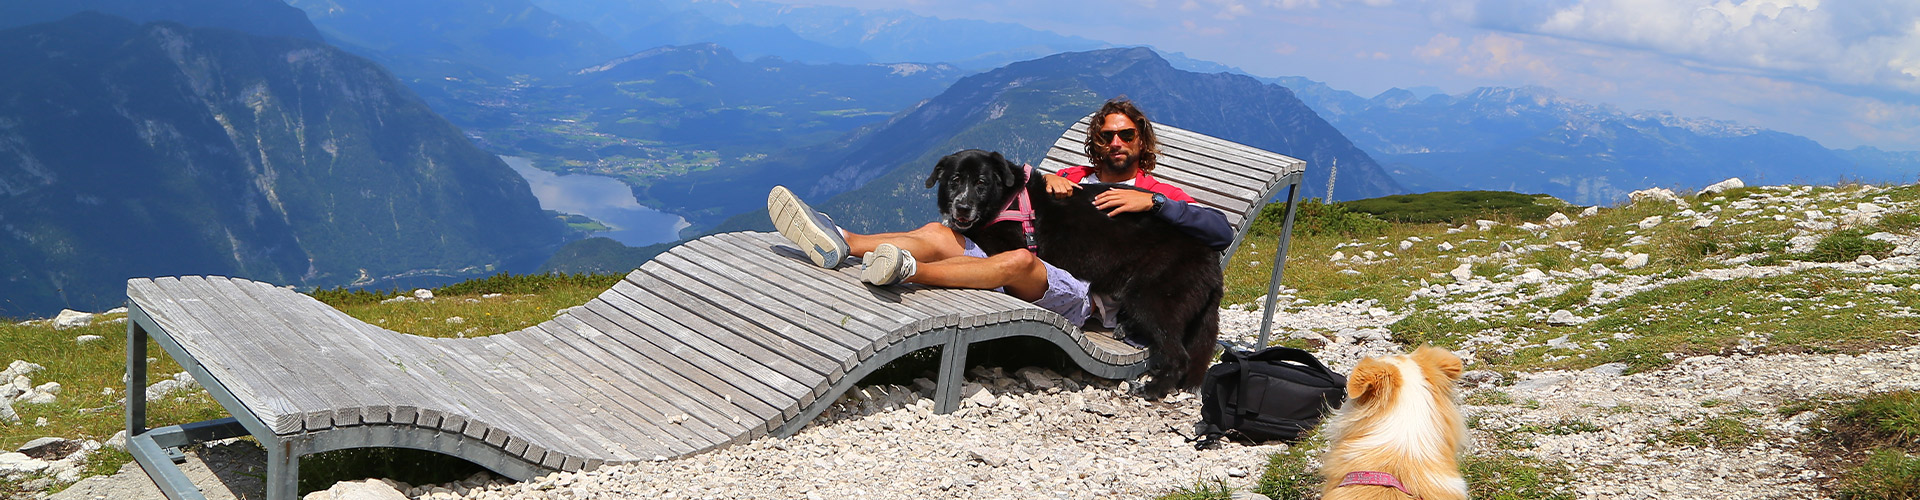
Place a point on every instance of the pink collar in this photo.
(1375, 478)
(1025, 214)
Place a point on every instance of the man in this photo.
(1120, 144)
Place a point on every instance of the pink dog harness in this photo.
(1374, 478)
(1024, 215)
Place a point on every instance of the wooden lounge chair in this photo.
(720, 340)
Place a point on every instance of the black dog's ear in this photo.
(946, 164)
(1011, 172)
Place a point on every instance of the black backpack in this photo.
(1277, 393)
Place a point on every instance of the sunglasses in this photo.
(1126, 135)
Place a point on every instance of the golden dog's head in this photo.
(1400, 419)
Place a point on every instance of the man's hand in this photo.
(1059, 186)
(1120, 201)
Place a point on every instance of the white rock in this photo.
(118, 441)
(1734, 183)
(422, 294)
(86, 338)
(116, 310)
(1653, 194)
(69, 318)
(7, 415)
(1462, 274)
(983, 398)
(1590, 211)
(1599, 269)
(19, 368)
(1869, 208)
(1486, 224)
(371, 489)
(1568, 244)
(1866, 260)
(1406, 245)
(1802, 243)
(1702, 223)
(1532, 228)
(1635, 261)
(1532, 275)
(1444, 246)
(1559, 219)
(1563, 317)
(1650, 221)
(1337, 256)
(13, 463)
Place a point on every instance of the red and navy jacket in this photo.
(1199, 221)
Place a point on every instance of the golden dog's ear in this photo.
(1372, 378)
(1440, 359)
(946, 164)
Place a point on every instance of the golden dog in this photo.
(1400, 434)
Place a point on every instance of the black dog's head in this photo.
(974, 186)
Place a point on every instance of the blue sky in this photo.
(1843, 72)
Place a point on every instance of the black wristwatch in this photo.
(1159, 200)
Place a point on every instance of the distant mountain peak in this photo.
(1704, 126)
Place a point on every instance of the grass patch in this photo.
(1287, 474)
(1563, 427)
(1316, 218)
(1888, 474)
(1206, 490)
(1488, 398)
(1458, 207)
(503, 283)
(1507, 477)
(1847, 245)
(1718, 432)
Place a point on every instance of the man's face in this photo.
(1122, 140)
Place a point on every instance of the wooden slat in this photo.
(482, 394)
(616, 316)
(758, 310)
(597, 401)
(644, 382)
(752, 291)
(271, 369)
(707, 404)
(162, 299)
(676, 337)
(862, 335)
(372, 386)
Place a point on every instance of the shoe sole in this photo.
(794, 219)
(880, 270)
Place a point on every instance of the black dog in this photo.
(1167, 283)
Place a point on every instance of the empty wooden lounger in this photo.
(720, 340)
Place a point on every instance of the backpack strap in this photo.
(1282, 353)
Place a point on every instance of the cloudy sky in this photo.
(1843, 72)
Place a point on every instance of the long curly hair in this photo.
(1096, 149)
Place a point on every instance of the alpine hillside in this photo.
(159, 149)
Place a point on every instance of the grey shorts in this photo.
(1065, 295)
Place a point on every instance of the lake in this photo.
(604, 199)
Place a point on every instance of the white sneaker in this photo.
(887, 265)
(812, 231)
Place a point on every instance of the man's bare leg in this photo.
(1018, 271)
(929, 243)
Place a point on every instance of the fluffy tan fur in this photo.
(1400, 418)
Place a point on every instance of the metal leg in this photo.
(136, 379)
(1279, 265)
(953, 363)
(283, 471)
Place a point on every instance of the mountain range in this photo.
(1532, 140)
(161, 149)
(874, 180)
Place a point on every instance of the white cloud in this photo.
(1851, 42)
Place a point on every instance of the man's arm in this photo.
(1199, 221)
